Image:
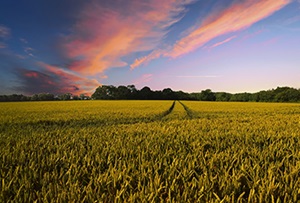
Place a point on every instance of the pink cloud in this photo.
(144, 79)
(31, 74)
(38, 82)
(197, 76)
(103, 35)
(146, 59)
(222, 42)
(67, 80)
(237, 17)
(270, 41)
(254, 34)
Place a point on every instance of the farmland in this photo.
(149, 151)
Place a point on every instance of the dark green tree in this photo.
(145, 93)
(223, 96)
(207, 95)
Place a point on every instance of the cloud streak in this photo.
(197, 76)
(4, 34)
(238, 16)
(146, 59)
(2, 45)
(4, 31)
(52, 79)
(102, 34)
(222, 42)
(143, 79)
(105, 34)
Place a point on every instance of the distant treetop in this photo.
(130, 92)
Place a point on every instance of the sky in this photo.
(74, 46)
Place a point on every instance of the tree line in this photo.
(280, 94)
(130, 92)
(42, 97)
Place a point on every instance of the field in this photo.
(149, 151)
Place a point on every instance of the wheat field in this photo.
(149, 151)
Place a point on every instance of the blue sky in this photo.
(190, 45)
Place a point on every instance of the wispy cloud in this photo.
(196, 76)
(29, 51)
(238, 16)
(292, 20)
(23, 41)
(55, 80)
(143, 79)
(4, 34)
(222, 42)
(105, 34)
(144, 60)
(4, 31)
(70, 79)
(270, 41)
(251, 35)
(2, 45)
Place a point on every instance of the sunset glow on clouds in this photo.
(75, 47)
(146, 78)
(146, 59)
(237, 17)
(222, 42)
(100, 41)
(80, 84)
(56, 80)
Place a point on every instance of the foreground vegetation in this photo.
(149, 151)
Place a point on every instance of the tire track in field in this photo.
(49, 124)
(164, 114)
(188, 111)
(178, 112)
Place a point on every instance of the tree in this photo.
(168, 94)
(45, 97)
(65, 97)
(132, 88)
(207, 95)
(265, 96)
(145, 93)
(241, 97)
(104, 92)
(180, 95)
(288, 95)
(280, 94)
(76, 97)
(122, 92)
(35, 97)
(223, 96)
(82, 97)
